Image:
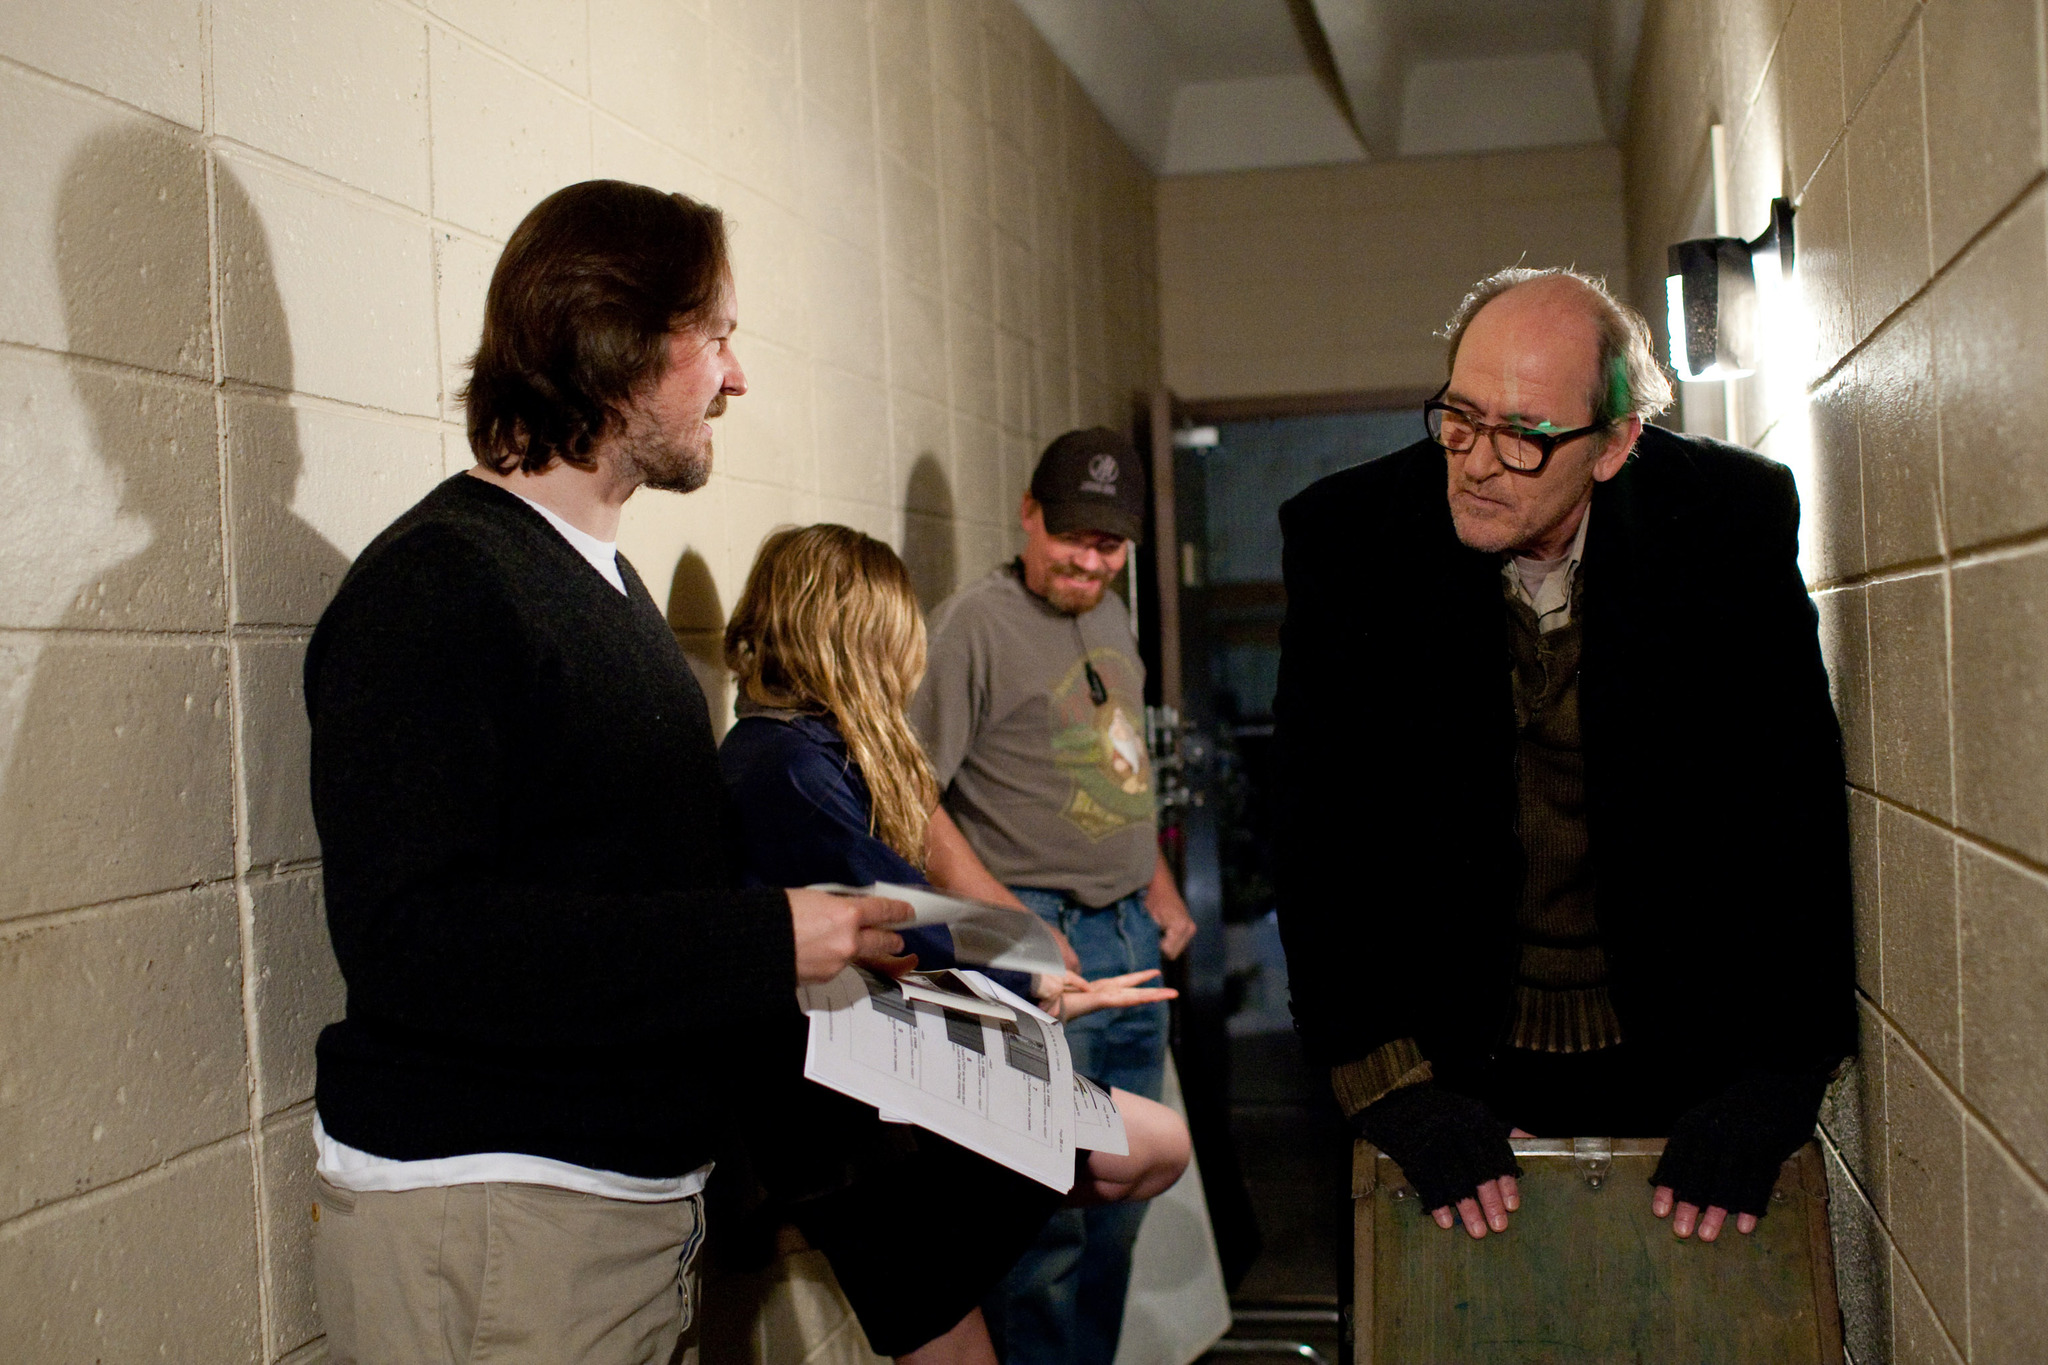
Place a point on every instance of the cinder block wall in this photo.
(1916, 411)
(247, 248)
(1334, 279)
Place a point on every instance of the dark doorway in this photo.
(1291, 1148)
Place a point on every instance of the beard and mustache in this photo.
(1074, 591)
(663, 459)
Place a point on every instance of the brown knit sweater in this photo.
(1561, 1001)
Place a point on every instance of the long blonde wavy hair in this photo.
(829, 622)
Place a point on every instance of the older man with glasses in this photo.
(1565, 847)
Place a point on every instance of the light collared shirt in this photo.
(1545, 585)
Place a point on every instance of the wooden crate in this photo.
(1585, 1275)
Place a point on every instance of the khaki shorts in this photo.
(504, 1273)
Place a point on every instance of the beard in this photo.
(1075, 592)
(662, 458)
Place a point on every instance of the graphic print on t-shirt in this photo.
(1101, 749)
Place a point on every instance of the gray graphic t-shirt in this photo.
(1051, 788)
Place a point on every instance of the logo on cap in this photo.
(1102, 473)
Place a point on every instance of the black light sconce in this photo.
(1721, 291)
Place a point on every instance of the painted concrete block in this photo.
(971, 345)
(853, 436)
(912, 227)
(905, 107)
(658, 530)
(963, 156)
(957, 56)
(309, 486)
(970, 248)
(978, 470)
(772, 271)
(164, 1269)
(1887, 152)
(1909, 671)
(323, 293)
(462, 277)
(2000, 669)
(113, 515)
(1984, 129)
(623, 152)
(298, 987)
(1917, 1336)
(1917, 888)
(1896, 404)
(1013, 381)
(922, 438)
(766, 29)
(1925, 1167)
(834, 57)
(550, 39)
(754, 128)
(1991, 353)
(846, 308)
(271, 701)
(140, 52)
(766, 434)
(106, 215)
(117, 784)
(339, 87)
(122, 1045)
(839, 192)
(503, 139)
(2008, 1257)
(1824, 274)
(917, 339)
(651, 66)
(2005, 999)
(287, 1163)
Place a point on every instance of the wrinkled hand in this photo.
(833, 930)
(1689, 1216)
(1723, 1156)
(1453, 1151)
(1078, 997)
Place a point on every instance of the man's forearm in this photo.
(953, 866)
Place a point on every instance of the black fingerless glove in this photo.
(1726, 1152)
(1447, 1144)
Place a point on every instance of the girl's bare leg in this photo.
(1159, 1153)
(966, 1343)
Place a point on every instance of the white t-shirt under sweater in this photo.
(346, 1168)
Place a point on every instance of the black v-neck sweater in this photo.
(530, 863)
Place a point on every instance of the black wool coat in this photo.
(1715, 791)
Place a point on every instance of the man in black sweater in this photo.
(1566, 830)
(551, 966)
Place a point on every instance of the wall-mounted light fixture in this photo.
(1720, 292)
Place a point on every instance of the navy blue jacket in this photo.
(803, 814)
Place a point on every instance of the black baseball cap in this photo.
(1090, 480)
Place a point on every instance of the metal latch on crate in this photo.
(1593, 1157)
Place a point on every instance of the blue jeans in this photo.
(1063, 1302)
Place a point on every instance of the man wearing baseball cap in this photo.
(1032, 711)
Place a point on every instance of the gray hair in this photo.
(1631, 383)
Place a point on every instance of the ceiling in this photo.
(1223, 85)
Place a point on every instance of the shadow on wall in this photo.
(118, 780)
(930, 551)
(698, 619)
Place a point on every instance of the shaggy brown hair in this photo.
(578, 317)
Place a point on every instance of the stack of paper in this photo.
(956, 1053)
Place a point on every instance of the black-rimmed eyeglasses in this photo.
(1524, 450)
